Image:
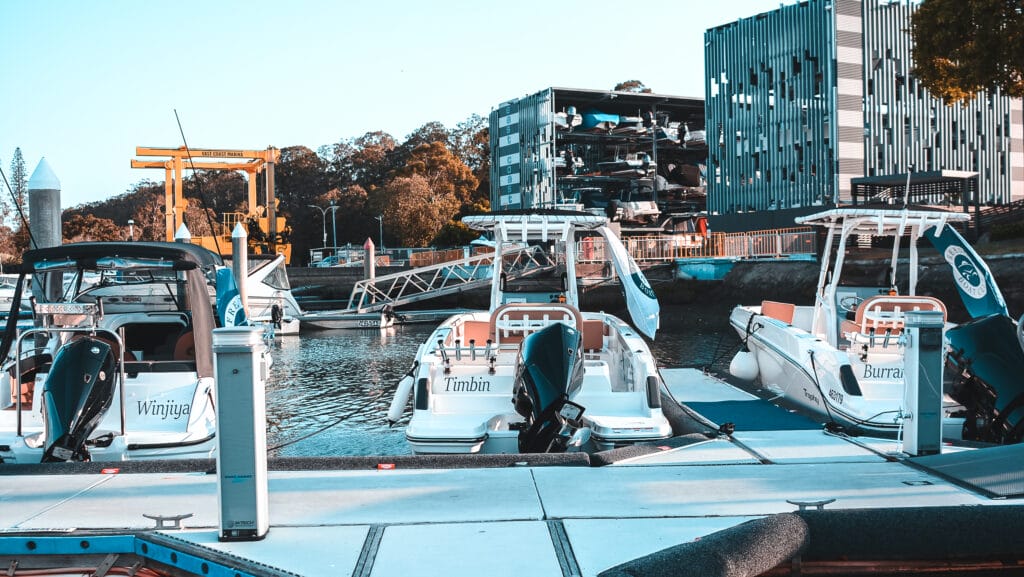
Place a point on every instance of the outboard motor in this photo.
(988, 361)
(78, 391)
(549, 372)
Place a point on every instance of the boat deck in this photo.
(530, 519)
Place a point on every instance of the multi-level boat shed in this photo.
(561, 144)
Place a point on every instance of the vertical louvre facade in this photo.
(770, 110)
(522, 149)
(906, 127)
(811, 95)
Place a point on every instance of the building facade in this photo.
(803, 99)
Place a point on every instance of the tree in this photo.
(82, 228)
(632, 86)
(962, 47)
(414, 212)
(446, 174)
(19, 181)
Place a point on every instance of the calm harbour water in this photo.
(328, 393)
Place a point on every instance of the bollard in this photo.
(240, 263)
(369, 260)
(922, 369)
(240, 371)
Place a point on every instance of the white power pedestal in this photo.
(922, 429)
(240, 371)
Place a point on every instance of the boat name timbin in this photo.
(473, 384)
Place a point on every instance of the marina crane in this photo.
(267, 231)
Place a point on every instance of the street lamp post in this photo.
(380, 228)
(334, 225)
(131, 229)
(323, 213)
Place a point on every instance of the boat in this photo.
(841, 359)
(474, 371)
(119, 366)
(596, 121)
(346, 319)
(269, 295)
(8, 285)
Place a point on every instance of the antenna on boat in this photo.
(906, 191)
(199, 184)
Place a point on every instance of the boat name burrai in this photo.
(165, 410)
(473, 384)
(882, 372)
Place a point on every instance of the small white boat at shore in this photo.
(332, 320)
(533, 371)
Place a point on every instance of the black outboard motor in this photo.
(550, 370)
(988, 361)
(78, 391)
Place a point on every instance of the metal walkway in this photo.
(441, 279)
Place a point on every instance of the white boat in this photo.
(475, 364)
(8, 284)
(331, 320)
(120, 368)
(842, 358)
(270, 298)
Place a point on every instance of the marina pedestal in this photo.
(240, 370)
(923, 372)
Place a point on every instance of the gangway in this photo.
(442, 279)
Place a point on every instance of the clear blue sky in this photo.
(85, 82)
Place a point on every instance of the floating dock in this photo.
(624, 512)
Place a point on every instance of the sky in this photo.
(85, 82)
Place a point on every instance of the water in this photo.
(328, 393)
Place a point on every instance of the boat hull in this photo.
(806, 372)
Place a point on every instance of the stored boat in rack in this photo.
(497, 381)
(119, 362)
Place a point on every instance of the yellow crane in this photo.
(267, 231)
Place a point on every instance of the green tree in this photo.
(632, 86)
(19, 181)
(962, 47)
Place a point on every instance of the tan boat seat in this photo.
(780, 311)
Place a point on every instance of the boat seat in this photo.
(185, 347)
(593, 335)
(779, 311)
(887, 312)
(478, 331)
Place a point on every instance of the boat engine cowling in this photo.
(987, 362)
(549, 371)
(78, 391)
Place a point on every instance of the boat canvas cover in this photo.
(974, 281)
(640, 298)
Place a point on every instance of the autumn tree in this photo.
(414, 211)
(82, 228)
(962, 47)
(632, 86)
(446, 174)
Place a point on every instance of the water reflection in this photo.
(328, 393)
